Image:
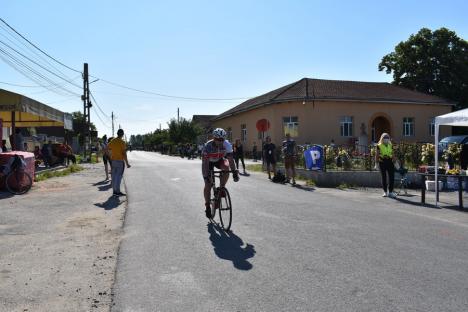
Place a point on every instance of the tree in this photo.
(431, 62)
(183, 131)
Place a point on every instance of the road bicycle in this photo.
(221, 201)
(15, 178)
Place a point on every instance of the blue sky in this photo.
(211, 49)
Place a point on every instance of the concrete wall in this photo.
(319, 121)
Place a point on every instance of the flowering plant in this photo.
(453, 171)
(427, 153)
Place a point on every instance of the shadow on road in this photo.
(230, 247)
(4, 195)
(111, 203)
(104, 182)
(104, 188)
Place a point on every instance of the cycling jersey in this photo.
(213, 152)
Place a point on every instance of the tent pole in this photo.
(13, 131)
(436, 162)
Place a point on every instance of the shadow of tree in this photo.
(230, 247)
(111, 203)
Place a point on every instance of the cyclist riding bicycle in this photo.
(217, 153)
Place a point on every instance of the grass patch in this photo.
(256, 167)
(61, 173)
(310, 183)
(344, 186)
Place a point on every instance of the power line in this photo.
(95, 102)
(12, 60)
(167, 95)
(57, 61)
(118, 84)
(27, 48)
(41, 66)
(102, 121)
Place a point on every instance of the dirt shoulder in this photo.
(59, 244)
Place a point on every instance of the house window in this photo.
(243, 132)
(432, 126)
(408, 126)
(229, 134)
(346, 126)
(291, 126)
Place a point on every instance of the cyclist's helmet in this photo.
(219, 133)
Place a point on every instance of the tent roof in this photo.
(457, 118)
(29, 112)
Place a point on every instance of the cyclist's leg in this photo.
(223, 164)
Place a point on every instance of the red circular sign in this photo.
(263, 125)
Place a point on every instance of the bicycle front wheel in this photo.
(225, 209)
(18, 182)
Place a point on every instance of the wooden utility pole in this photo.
(178, 120)
(112, 124)
(84, 97)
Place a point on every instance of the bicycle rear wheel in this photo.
(225, 209)
(18, 182)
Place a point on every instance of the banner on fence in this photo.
(314, 157)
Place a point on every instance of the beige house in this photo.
(318, 111)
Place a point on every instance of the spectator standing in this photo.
(118, 156)
(269, 150)
(4, 148)
(384, 157)
(45, 154)
(290, 156)
(239, 154)
(254, 152)
(105, 156)
(19, 140)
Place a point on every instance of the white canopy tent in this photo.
(458, 118)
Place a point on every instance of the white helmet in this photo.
(219, 133)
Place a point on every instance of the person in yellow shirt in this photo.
(117, 150)
(384, 157)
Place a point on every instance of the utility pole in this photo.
(112, 124)
(85, 98)
(178, 120)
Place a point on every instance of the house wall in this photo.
(319, 121)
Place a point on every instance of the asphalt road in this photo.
(291, 249)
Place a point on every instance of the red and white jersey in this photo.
(213, 152)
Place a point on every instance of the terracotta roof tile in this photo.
(320, 89)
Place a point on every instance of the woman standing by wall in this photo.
(239, 154)
(384, 157)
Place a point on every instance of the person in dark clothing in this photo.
(289, 149)
(239, 154)
(46, 155)
(269, 150)
(384, 157)
(4, 148)
(254, 152)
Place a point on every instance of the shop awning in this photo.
(30, 113)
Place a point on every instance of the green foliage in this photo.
(256, 167)
(179, 132)
(452, 153)
(59, 173)
(433, 62)
(427, 154)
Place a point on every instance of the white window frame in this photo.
(408, 126)
(346, 126)
(244, 133)
(291, 126)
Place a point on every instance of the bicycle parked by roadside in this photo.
(14, 176)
